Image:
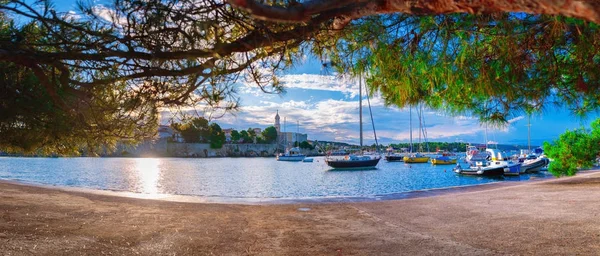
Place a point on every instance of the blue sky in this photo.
(326, 108)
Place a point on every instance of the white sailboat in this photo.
(532, 163)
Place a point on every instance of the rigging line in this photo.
(420, 127)
(424, 130)
(372, 121)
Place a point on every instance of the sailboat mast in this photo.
(360, 110)
(410, 125)
(284, 126)
(486, 138)
(529, 133)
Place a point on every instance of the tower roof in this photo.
(277, 115)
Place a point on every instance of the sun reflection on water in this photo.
(148, 170)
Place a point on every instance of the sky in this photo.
(326, 108)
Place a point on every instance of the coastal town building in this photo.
(227, 134)
(166, 132)
(287, 139)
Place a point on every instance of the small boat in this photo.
(534, 165)
(443, 160)
(416, 158)
(308, 160)
(392, 156)
(353, 162)
(292, 155)
(480, 169)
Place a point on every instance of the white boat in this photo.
(480, 168)
(498, 159)
(533, 161)
(534, 165)
(308, 160)
(474, 155)
(293, 155)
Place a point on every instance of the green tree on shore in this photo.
(217, 136)
(574, 150)
(245, 137)
(235, 136)
(269, 134)
(306, 145)
(195, 130)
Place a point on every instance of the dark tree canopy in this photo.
(235, 136)
(269, 135)
(217, 136)
(103, 76)
(196, 130)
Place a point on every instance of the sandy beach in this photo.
(549, 217)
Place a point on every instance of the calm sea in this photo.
(235, 177)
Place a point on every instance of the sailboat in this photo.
(416, 157)
(356, 161)
(532, 163)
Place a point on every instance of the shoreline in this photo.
(546, 217)
(274, 201)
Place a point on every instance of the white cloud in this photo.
(109, 15)
(510, 121)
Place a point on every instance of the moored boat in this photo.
(394, 157)
(443, 160)
(534, 165)
(475, 155)
(356, 161)
(416, 158)
(292, 155)
(480, 169)
(353, 162)
(498, 159)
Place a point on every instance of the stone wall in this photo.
(228, 150)
(162, 148)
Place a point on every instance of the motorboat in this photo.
(534, 165)
(498, 159)
(474, 155)
(395, 157)
(293, 155)
(392, 156)
(481, 168)
(308, 160)
(443, 160)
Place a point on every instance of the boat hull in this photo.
(443, 161)
(513, 169)
(534, 166)
(408, 159)
(394, 158)
(290, 158)
(352, 164)
(496, 171)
